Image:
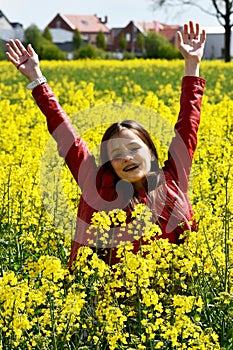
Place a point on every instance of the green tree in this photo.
(153, 43)
(221, 9)
(2, 51)
(122, 43)
(169, 51)
(47, 34)
(158, 47)
(77, 39)
(86, 51)
(45, 48)
(100, 40)
(33, 36)
(50, 51)
(140, 41)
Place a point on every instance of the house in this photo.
(166, 30)
(215, 43)
(62, 28)
(170, 32)
(10, 30)
(132, 31)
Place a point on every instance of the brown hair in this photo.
(138, 129)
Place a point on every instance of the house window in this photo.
(58, 24)
(128, 37)
(84, 22)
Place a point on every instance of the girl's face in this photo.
(130, 157)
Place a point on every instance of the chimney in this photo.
(105, 21)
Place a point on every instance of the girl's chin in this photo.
(138, 182)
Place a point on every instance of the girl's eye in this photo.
(116, 156)
(134, 149)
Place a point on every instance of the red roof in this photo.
(149, 26)
(86, 23)
(166, 30)
(169, 31)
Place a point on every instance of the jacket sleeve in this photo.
(70, 146)
(183, 145)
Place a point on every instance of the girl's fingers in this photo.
(191, 27)
(197, 29)
(191, 30)
(203, 36)
(31, 50)
(15, 48)
(185, 33)
(11, 52)
(21, 47)
(10, 58)
(179, 37)
(17, 53)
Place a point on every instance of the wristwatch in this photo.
(37, 82)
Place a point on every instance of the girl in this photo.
(129, 173)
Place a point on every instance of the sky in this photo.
(119, 12)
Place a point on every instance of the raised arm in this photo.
(70, 145)
(183, 145)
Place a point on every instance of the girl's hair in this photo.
(135, 127)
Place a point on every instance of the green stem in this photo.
(53, 323)
(227, 215)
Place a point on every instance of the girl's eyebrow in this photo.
(114, 150)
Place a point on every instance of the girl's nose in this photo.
(127, 156)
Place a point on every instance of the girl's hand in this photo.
(25, 60)
(190, 43)
(191, 46)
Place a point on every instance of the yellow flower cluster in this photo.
(164, 297)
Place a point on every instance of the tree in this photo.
(158, 47)
(86, 51)
(50, 51)
(33, 36)
(100, 40)
(152, 45)
(47, 34)
(122, 43)
(77, 39)
(2, 51)
(140, 41)
(221, 9)
(44, 47)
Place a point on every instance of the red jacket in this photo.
(168, 200)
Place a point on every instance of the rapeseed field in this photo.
(165, 297)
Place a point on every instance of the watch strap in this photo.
(37, 82)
